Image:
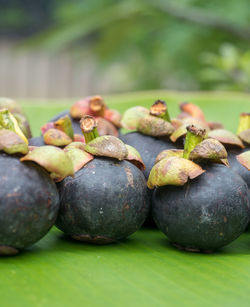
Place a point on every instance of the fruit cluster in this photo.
(187, 175)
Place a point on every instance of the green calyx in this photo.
(12, 143)
(194, 137)
(64, 124)
(53, 159)
(244, 159)
(244, 123)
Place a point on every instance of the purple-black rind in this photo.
(207, 213)
(148, 146)
(107, 199)
(36, 141)
(29, 202)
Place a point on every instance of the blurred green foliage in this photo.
(228, 70)
(151, 43)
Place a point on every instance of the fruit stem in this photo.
(97, 105)
(159, 109)
(244, 123)
(194, 137)
(89, 128)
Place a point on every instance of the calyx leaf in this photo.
(173, 171)
(53, 159)
(210, 149)
(154, 126)
(107, 146)
(134, 157)
(56, 137)
(8, 121)
(225, 137)
(244, 159)
(169, 153)
(193, 110)
(12, 143)
(64, 124)
(132, 116)
(245, 136)
(78, 156)
(178, 133)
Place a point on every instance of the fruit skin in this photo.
(149, 147)
(37, 141)
(105, 202)
(29, 203)
(237, 167)
(206, 213)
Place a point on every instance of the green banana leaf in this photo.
(143, 270)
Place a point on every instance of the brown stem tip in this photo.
(158, 108)
(196, 131)
(88, 123)
(97, 104)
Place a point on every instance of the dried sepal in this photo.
(78, 155)
(56, 137)
(79, 138)
(64, 124)
(105, 127)
(46, 127)
(113, 116)
(132, 116)
(178, 133)
(215, 125)
(173, 171)
(134, 157)
(193, 110)
(244, 159)
(196, 122)
(245, 136)
(226, 137)
(12, 143)
(53, 159)
(154, 126)
(176, 123)
(107, 146)
(210, 149)
(80, 108)
(169, 153)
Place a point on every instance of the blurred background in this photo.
(60, 48)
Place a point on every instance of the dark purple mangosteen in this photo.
(203, 214)
(29, 200)
(107, 199)
(29, 204)
(236, 145)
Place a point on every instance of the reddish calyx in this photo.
(96, 107)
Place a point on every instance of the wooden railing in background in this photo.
(39, 74)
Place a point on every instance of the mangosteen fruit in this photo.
(107, 199)
(29, 200)
(206, 212)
